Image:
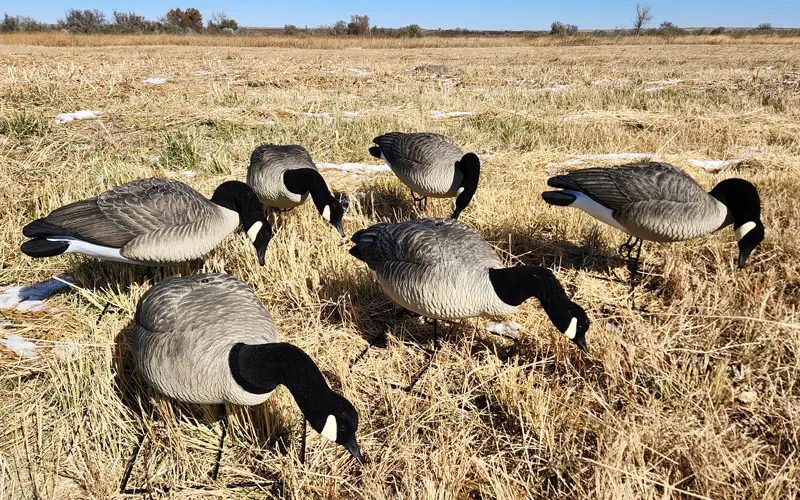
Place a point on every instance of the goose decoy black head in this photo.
(470, 168)
(741, 198)
(241, 198)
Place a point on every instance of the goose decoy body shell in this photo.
(268, 163)
(284, 177)
(430, 165)
(150, 221)
(184, 330)
(424, 162)
(444, 269)
(659, 202)
(207, 339)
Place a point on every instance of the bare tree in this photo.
(643, 17)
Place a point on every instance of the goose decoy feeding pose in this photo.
(207, 339)
(284, 176)
(659, 202)
(443, 269)
(150, 221)
(430, 165)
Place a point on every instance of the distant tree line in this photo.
(95, 21)
(190, 21)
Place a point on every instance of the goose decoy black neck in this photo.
(515, 285)
(308, 180)
(241, 198)
(260, 368)
(470, 168)
(741, 198)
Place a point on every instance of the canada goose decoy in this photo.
(284, 176)
(443, 269)
(430, 165)
(150, 221)
(207, 339)
(659, 202)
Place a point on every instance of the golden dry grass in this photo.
(655, 410)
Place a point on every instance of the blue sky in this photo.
(498, 14)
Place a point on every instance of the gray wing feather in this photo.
(281, 156)
(124, 212)
(418, 148)
(620, 186)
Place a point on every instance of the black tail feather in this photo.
(375, 151)
(40, 247)
(558, 198)
(40, 228)
(563, 182)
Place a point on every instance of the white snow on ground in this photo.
(360, 72)
(351, 114)
(508, 328)
(322, 116)
(30, 297)
(20, 346)
(714, 165)
(673, 81)
(78, 115)
(353, 167)
(155, 81)
(437, 115)
(557, 88)
(653, 89)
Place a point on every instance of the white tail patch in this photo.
(92, 250)
(330, 429)
(326, 213)
(596, 210)
(252, 233)
(573, 329)
(745, 228)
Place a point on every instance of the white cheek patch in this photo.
(253, 231)
(573, 329)
(329, 431)
(745, 228)
(326, 213)
(460, 190)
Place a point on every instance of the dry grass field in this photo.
(697, 397)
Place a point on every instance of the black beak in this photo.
(339, 228)
(456, 213)
(582, 345)
(352, 447)
(262, 252)
(744, 254)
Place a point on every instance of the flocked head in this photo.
(338, 422)
(741, 198)
(333, 212)
(260, 233)
(573, 322)
(470, 168)
(240, 197)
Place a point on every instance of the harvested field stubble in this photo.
(697, 397)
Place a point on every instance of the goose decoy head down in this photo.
(337, 420)
(741, 198)
(241, 198)
(470, 168)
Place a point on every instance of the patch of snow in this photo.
(574, 117)
(714, 165)
(438, 115)
(673, 81)
(155, 81)
(29, 298)
(360, 72)
(654, 89)
(371, 80)
(189, 173)
(322, 116)
(354, 167)
(78, 115)
(557, 88)
(351, 114)
(769, 67)
(154, 158)
(22, 347)
(507, 328)
(269, 122)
